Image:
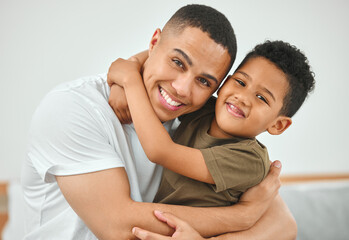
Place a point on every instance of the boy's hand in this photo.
(258, 198)
(118, 102)
(119, 73)
(183, 231)
(122, 71)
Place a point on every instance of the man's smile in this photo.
(168, 101)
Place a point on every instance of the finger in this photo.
(277, 164)
(143, 234)
(119, 116)
(129, 117)
(169, 218)
(272, 181)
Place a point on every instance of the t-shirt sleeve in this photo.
(67, 137)
(237, 168)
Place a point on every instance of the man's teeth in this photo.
(168, 99)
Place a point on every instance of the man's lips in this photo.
(235, 111)
(169, 102)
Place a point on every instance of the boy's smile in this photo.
(249, 101)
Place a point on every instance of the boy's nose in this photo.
(183, 86)
(243, 99)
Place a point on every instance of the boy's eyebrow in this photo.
(190, 62)
(265, 89)
(270, 93)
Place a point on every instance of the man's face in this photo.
(249, 102)
(183, 71)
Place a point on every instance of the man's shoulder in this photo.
(95, 81)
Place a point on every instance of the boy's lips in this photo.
(235, 111)
(168, 101)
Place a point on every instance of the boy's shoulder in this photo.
(252, 144)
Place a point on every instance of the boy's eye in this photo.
(263, 99)
(178, 63)
(240, 82)
(204, 82)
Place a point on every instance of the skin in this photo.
(102, 199)
(183, 231)
(249, 102)
(258, 87)
(189, 68)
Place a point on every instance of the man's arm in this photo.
(102, 200)
(276, 223)
(265, 229)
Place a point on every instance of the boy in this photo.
(214, 156)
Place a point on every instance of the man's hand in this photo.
(183, 231)
(258, 198)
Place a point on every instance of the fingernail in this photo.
(277, 164)
(158, 212)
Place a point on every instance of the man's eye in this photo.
(178, 63)
(263, 99)
(240, 82)
(204, 82)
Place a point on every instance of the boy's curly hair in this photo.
(295, 66)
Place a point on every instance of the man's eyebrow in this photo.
(209, 76)
(189, 61)
(187, 58)
(264, 89)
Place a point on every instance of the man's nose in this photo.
(183, 86)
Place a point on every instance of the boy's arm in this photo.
(102, 200)
(155, 140)
(117, 98)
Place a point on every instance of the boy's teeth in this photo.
(168, 99)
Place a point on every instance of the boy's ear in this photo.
(155, 39)
(280, 125)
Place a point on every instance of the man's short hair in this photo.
(295, 66)
(208, 20)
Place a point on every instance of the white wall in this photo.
(43, 43)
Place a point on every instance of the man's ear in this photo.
(155, 39)
(280, 125)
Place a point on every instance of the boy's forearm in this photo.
(141, 57)
(153, 136)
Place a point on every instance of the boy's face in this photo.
(183, 71)
(249, 102)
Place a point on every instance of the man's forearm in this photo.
(207, 221)
(102, 200)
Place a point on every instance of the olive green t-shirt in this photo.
(235, 164)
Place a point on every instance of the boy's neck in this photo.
(216, 131)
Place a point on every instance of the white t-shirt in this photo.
(75, 131)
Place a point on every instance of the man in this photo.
(74, 177)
